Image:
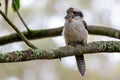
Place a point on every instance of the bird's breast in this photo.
(74, 31)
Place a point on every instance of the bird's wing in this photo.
(85, 24)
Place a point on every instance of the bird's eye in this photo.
(74, 12)
(78, 14)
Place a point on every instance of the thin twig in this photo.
(20, 17)
(6, 6)
(20, 34)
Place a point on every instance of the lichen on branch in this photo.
(56, 53)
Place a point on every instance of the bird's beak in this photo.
(68, 16)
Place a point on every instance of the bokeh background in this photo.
(45, 14)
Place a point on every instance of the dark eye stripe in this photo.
(78, 14)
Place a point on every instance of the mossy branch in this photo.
(56, 53)
(37, 34)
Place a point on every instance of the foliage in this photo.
(17, 4)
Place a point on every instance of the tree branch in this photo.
(34, 54)
(105, 31)
(35, 34)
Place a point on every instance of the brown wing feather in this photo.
(85, 24)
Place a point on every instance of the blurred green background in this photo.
(45, 14)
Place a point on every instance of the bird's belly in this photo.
(73, 36)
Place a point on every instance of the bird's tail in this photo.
(81, 64)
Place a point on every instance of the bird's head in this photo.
(72, 13)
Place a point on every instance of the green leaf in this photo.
(16, 5)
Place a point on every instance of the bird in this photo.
(75, 32)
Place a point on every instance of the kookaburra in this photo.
(75, 33)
